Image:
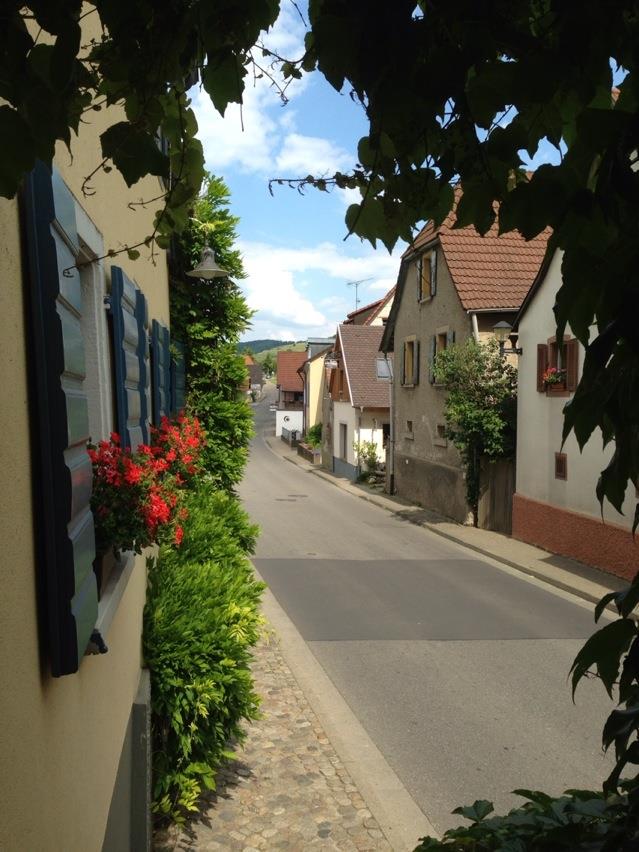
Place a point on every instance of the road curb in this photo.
(400, 818)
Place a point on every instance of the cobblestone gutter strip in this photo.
(288, 789)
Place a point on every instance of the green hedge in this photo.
(578, 821)
(201, 621)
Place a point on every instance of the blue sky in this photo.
(294, 252)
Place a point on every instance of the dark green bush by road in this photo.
(200, 623)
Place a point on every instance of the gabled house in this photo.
(555, 505)
(254, 380)
(85, 348)
(376, 313)
(359, 401)
(249, 361)
(312, 374)
(453, 284)
(290, 388)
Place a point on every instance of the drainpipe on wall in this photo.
(391, 437)
(475, 327)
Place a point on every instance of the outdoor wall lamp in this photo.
(208, 268)
(504, 331)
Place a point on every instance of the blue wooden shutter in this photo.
(144, 358)
(131, 359)
(178, 378)
(160, 345)
(450, 338)
(60, 416)
(433, 271)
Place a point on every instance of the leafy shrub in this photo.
(217, 526)
(480, 407)
(367, 452)
(209, 320)
(229, 426)
(200, 623)
(314, 436)
(579, 821)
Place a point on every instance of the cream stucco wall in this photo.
(382, 314)
(343, 412)
(60, 739)
(540, 422)
(361, 426)
(370, 429)
(314, 390)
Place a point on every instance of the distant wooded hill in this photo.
(257, 346)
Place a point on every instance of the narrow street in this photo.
(456, 667)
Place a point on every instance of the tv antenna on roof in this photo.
(356, 284)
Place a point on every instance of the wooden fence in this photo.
(497, 486)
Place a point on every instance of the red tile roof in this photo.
(350, 318)
(360, 348)
(492, 272)
(287, 365)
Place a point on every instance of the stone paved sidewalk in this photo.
(288, 790)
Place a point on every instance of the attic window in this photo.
(427, 276)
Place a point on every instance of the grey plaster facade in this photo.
(427, 467)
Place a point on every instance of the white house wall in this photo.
(343, 412)
(563, 516)
(288, 420)
(540, 423)
(370, 429)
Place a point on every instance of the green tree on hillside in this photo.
(268, 364)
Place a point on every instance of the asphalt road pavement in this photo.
(455, 666)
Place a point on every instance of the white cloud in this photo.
(383, 285)
(249, 136)
(224, 140)
(348, 196)
(302, 155)
(270, 290)
(328, 258)
(275, 277)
